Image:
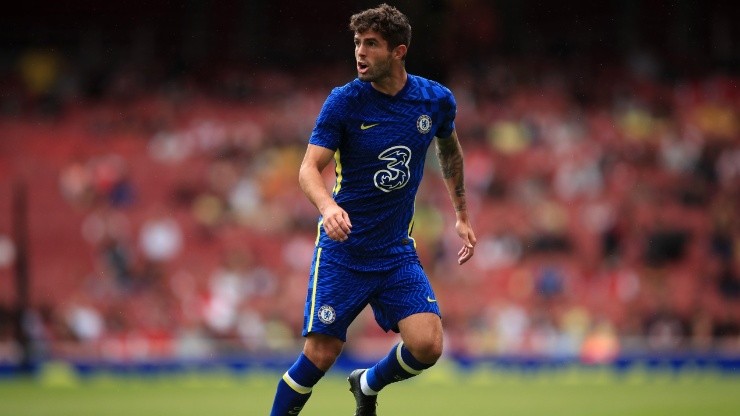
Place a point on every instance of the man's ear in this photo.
(400, 52)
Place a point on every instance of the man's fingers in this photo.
(337, 229)
(465, 253)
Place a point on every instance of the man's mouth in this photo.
(362, 67)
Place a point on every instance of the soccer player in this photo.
(377, 129)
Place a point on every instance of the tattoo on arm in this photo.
(450, 158)
(460, 194)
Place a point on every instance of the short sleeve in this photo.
(448, 110)
(327, 131)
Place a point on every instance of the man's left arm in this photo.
(449, 153)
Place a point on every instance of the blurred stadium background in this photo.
(150, 218)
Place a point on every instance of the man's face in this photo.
(372, 56)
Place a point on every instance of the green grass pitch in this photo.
(442, 390)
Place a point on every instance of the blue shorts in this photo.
(338, 291)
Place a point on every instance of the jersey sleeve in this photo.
(327, 131)
(448, 108)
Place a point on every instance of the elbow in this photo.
(304, 172)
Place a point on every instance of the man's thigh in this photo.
(405, 291)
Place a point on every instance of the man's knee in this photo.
(422, 336)
(427, 350)
(322, 350)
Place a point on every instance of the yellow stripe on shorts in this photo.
(313, 291)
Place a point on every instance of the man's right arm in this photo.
(335, 220)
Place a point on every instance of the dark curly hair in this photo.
(393, 25)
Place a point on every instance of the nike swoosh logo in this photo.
(363, 126)
(430, 300)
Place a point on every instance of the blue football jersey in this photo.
(380, 145)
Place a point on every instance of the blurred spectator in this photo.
(84, 320)
(665, 330)
(511, 323)
(7, 251)
(550, 281)
(40, 70)
(728, 281)
(76, 184)
(108, 230)
(160, 237)
(10, 349)
(601, 345)
(103, 179)
(498, 251)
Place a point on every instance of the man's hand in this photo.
(465, 231)
(336, 222)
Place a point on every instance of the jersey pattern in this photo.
(380, 145)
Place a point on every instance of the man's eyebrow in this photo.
(367, 39)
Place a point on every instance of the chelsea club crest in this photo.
(327, 315)
(424, 124)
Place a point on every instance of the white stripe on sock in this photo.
(366, 390)
(403, 364)
(295, 386)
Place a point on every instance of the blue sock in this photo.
(398, 365)
(295, 387)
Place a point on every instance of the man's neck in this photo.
(392, 84)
